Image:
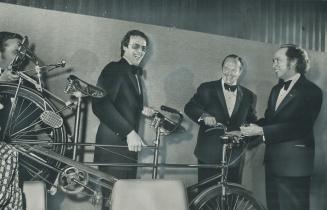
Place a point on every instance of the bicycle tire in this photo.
(237, 198)
(26, 125)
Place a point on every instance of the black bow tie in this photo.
(230, 88)
(137, 70)
(286, 84)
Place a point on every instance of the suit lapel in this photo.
(133, 80)
(141, 89)
(132, 77)
(238, 101)
(289, 97)
(221, 98)
(274, 97)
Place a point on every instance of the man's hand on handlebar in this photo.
(134, 142)
(208, 120)
(235, 135)
(148, 111)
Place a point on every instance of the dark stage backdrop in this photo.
(179, 61)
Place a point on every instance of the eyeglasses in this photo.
(136, 46)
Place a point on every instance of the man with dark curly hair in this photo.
(287, 131)
(10, 191)
(120, 110)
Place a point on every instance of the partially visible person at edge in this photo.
(287, 131)
(221, 101)
(120, 110)
(10, 191)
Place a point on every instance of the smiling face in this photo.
(283, 68)
(231, 71)
(135, 50)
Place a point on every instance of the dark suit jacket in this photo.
(210, 99)
(288, 131)
(119, 111)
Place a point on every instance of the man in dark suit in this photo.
(120, 110)
(287, 131)
(222, 101)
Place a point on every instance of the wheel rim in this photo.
(26, 126)
(236, 198)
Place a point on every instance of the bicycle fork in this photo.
(156, 154)
(223, 199)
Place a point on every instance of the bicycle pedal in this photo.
(52, 119)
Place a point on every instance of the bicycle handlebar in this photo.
(231, 137)
(217, 126)
(169, 109)
(168, 125)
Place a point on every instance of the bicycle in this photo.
(225, 195)
(35, 127)
(28, 115)
(222, 195)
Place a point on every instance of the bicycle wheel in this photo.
(26, 126)
(236, 198)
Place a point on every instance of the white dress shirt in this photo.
(230, 98)
(283, 92)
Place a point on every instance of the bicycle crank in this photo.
(72, 180)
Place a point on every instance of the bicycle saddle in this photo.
(76, 85)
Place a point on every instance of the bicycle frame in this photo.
(29, 151)
(155, 165)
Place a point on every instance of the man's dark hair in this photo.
(294, 53)
(125, 40)
(236, 57)
(5, 35)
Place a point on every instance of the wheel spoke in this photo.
(25, 126)
(36, 131)
(20, 117)
(236, 198)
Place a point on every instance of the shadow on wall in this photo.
(83, 61)
(319, 181)
(176, 85)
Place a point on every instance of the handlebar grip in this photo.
(168, 109)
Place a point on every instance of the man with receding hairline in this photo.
(221, 101)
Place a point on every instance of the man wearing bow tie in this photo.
(287, 131)
(120, 110)
(223, 101)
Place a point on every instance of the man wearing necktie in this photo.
(120, 110)
(287, 131)
(221, 101)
